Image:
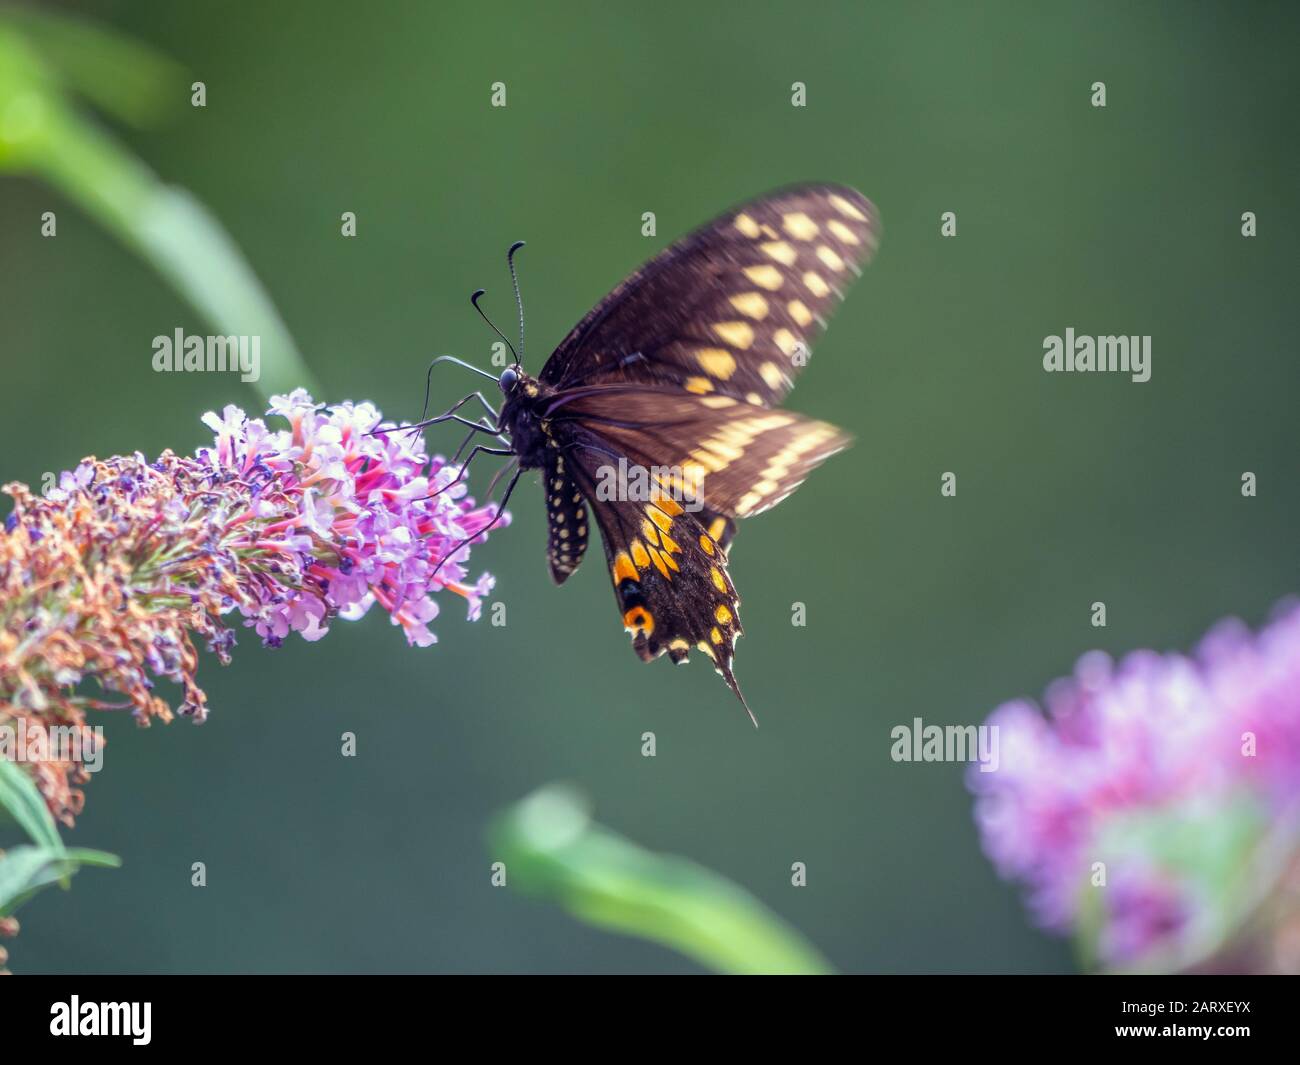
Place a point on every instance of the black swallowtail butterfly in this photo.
(674, 381)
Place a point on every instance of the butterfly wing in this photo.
(729, 458)
(669, 575)
(734, 307)
(677, 370)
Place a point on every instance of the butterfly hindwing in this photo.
(734, 307)
(735, 458)
(669, 574)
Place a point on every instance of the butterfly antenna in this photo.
(519, 300)
(478, 294)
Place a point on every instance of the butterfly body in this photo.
(659, 413)
(522, 416)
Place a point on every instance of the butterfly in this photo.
(657, 420)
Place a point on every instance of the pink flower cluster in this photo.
(353, 519)
(1178, 742)
(117, 574)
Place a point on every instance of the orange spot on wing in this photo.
(623, 568)
(639, 619)
(658, 560)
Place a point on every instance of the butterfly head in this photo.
(509, 380)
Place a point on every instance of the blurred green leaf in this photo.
(25, 870)
(551, 848)
(43, 134)
(125, 78)
(20, 798)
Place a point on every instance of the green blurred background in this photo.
(1071, 489)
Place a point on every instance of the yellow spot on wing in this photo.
(711, 462)
(814, 283)
(718, 527)
(800, 313)
(649, 532)
(719, 582)
(843, 232)
(768, 277)
(639, 555)
(830, 258)
(752, 304)
(747, 225)
(721, 447)
(847, 209)
(780, 251)
(662, 520)
(706, 545)
(723, 615)
(771, 374)
(715, 635)
(716, 361)
(699, 385)
(785, 340)
(800, 226)
(737, 334)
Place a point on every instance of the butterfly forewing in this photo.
(735, 307)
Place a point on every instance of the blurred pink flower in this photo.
(1158, 739)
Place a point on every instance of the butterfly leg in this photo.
(492, 484)
(501, 510)
(474, 427)
(470, 436)
(491, 411)
(464, 469)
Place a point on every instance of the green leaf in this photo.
(45, 135)
(21, 799)
(125, 78)
(26, 870)
(100, 859)
(551, 848)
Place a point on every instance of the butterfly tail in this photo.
(730, 678)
